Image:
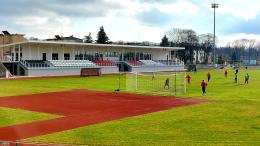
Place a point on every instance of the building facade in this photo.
(23, 57)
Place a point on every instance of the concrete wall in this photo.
(157, 68)
(65, 71)
(34, 51)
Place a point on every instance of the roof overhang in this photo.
(92, 44)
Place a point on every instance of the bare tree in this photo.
(206, 42)
(184, 38)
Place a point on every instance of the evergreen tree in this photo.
(88, 39)
(221, 60)
(165, 41)
(102, 37)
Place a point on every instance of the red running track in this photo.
(81, 108)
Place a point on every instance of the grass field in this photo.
(231, 117)
(10, 116)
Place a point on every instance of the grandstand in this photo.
(135, 63)
(71, 63)
(104, 63)
(151, 62)
(24, 57)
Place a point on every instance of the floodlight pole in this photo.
(214, 6)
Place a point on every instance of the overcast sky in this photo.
(130, 20)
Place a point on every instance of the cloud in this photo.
(246, 26)
(75, 8)
(51, 16)
(154, 17)
(129, 19)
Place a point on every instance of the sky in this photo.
(130, 20)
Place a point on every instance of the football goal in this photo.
(157, 82)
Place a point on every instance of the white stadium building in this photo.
(67, 56)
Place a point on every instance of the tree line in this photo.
(239, 50)
(176, 37)
(102, 37)
(192, 42)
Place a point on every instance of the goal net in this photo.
(157, 82)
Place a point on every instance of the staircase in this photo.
(4, 73)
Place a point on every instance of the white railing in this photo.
(157, 63)
(34, 65)
(171, 62)
(151, 63)
(6, 59)
(59, 64)
(71, 63)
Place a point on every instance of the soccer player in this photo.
(153, 76)
(235, 78)
(195, 69)
(209, 76)
(188, 77)
(167, 83)
(236, 71)
(203, 87)
(226, 72)
(246, 78)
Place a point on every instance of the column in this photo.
(73, 54)
(135, 56)
(38, 54)
(51, 54)
(14, 59)
(19, 53)
(63, 53)
(30, 52)
(84, 53)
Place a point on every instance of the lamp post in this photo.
(214, 6)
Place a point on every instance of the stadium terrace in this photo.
(56, 57)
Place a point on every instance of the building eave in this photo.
(92, 44)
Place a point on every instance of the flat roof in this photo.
(92, 44)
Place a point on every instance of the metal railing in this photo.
(4, 72)
(34, 65)
(6, 59)
(171, 62)
(50, 65)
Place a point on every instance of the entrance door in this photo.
(44, 56)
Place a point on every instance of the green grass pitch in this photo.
(231, 117)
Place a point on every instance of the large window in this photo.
(78, 55)
(129, 56)
(89, 56)
(66, 56)
(98, 56)
(111, 54)
(55, 56)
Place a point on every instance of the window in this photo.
(55, 56)
(66, 56)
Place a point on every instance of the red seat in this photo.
(103, 63)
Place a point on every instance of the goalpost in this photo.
(155, 82)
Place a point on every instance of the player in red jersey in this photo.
(226, 72)
(203, 87)
(188, 77)
(209, 76)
